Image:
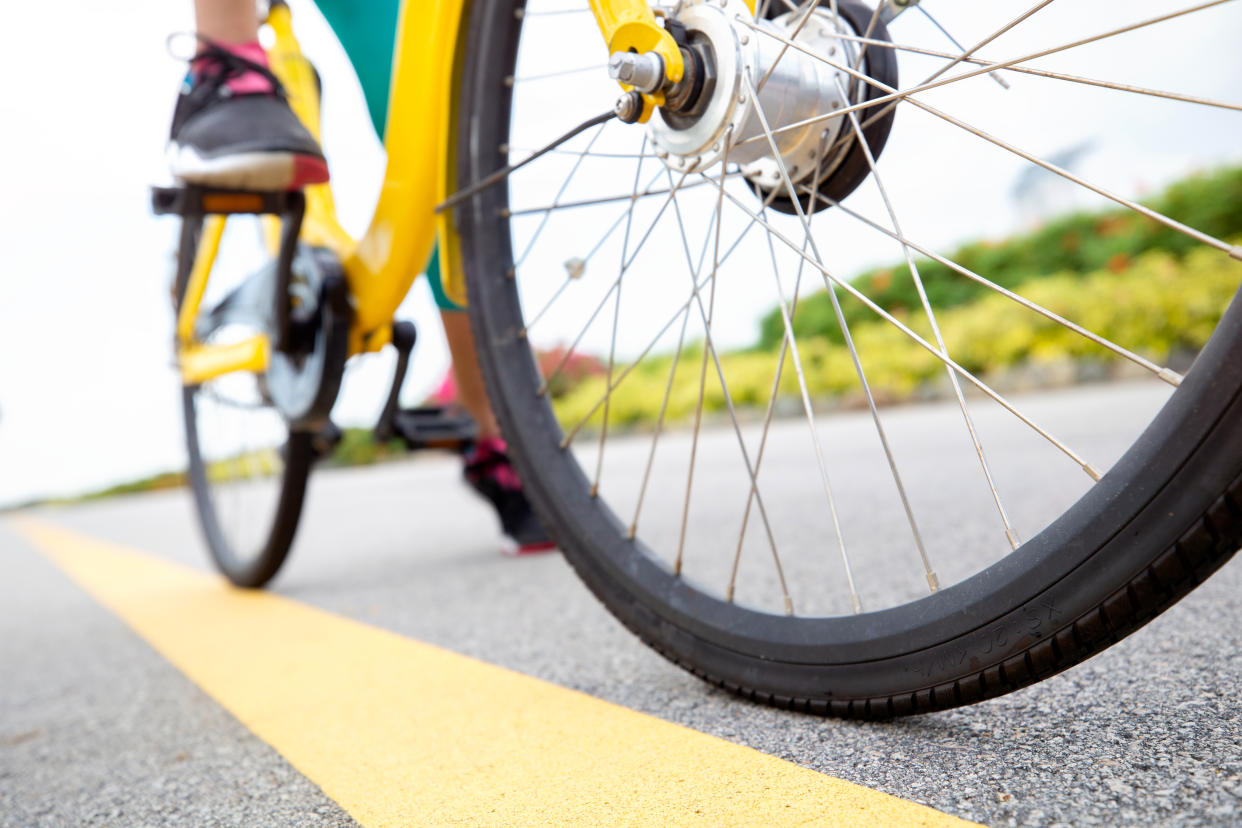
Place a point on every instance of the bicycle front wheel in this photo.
(721, 495)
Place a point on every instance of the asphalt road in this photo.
(97, 728)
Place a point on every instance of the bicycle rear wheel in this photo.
(248, 491)
(774, 606)
(247, 469)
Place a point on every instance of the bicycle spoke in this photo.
(1087, 467)
(603, 200)
(1162, 372)
(767, 417)
(776, 380)
(521, 13)
(763, 440)
(564, 186)
(597, 67)
(616, 320)
(560, 151)
(556, 294)
(568, 438)
(875, 18)
(668, 389)
(1044, 73)
(964, 51)
(1010, 533)
(698, 407)
(932, 581)
(615, 285)
(889, 107)
(698, 411)
(1234, 251)
(811, 6)
(672, 371)
(990, 38)
(790, 344)
(710, 349)
(576, 269)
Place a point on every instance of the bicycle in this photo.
(779, 114)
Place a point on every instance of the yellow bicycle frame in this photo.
(382, 265)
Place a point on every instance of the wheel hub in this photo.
(711, 114)
(739, 59)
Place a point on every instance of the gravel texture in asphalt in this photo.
(97, 729)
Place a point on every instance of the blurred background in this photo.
(88, 397)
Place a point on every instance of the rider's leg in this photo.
(232, 126)
(367, 33)
(471, 392)
(487, 466)
(227, 21)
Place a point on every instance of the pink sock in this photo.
(249, 82)
(493, 447)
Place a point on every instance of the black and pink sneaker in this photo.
(233, 128)
(489, 472)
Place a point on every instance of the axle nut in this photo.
(644, 72)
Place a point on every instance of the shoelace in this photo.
(221, 65)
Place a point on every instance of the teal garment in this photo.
(367, 30)
(443, 302)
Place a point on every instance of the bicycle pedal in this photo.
(434, 427)
(200, 201)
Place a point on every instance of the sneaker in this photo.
(233, 127)
(489, 472)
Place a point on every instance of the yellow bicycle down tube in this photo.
(398, 242)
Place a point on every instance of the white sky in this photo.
(87, 397)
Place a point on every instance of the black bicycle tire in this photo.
(251, 571)
(1167, 515)
(257, 570)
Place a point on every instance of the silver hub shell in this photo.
(800, 87)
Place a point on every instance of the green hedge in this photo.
(1156, 305)
(1078, 243)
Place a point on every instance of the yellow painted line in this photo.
(403, 733)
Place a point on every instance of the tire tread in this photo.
(1209, 543)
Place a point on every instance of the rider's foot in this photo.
(233, 127)
(489, 472)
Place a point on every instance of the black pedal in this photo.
(427, 427)
(435, 427)
(202, 201)
(404, 335)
